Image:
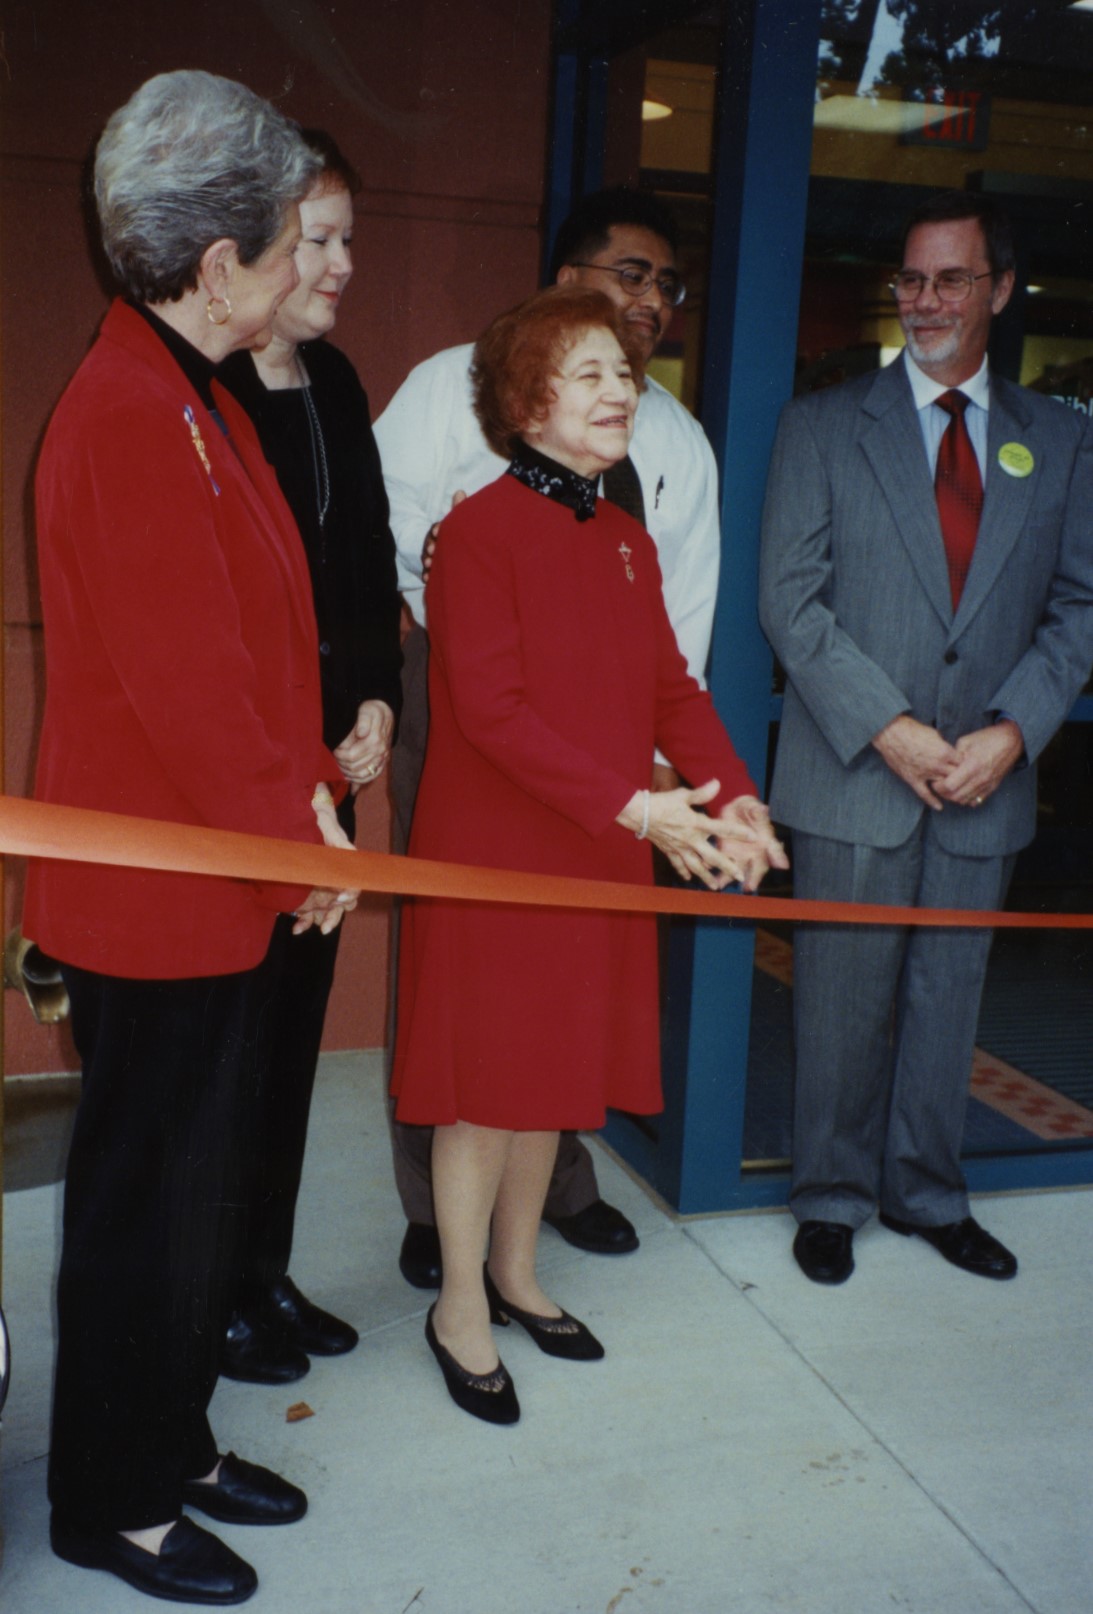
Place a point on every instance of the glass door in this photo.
(792, 137)
(913, 98)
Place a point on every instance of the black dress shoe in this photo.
(255, 1354)
(307, 1326)
(244, 1493)
(824, 1251)
(419, 1257)
(965, 1244)
(489, 1396)
(192, 1566)
(599, 1228)
(560, 1336)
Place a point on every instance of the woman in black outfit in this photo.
(313, 422)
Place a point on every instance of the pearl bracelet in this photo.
(641, 833)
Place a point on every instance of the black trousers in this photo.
(293, 988)
(147, 1254)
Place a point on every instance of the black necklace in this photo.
(318, 446)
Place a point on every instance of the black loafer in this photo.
(255, 1354)
(964, 1243)
(244, 1493)
(306, 1326)
(824, 1251)
(599, 1228)
(419, 1257)
(192, 1566)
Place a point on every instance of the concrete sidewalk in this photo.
(916, 1440)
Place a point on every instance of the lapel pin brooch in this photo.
(200, 446)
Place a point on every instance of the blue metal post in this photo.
(561, 161)
(766, 95)
(578, 129)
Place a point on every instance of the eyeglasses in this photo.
(951, 285)
(636, 282)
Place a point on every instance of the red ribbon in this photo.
(77, 834)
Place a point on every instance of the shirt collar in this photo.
(927, 391)
(544, 475)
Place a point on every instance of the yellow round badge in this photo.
(1015, 459)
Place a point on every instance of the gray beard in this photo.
(937, 355)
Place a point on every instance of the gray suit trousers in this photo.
(885, 1020)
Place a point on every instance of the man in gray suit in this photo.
(927, 584)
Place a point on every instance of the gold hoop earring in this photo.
(227, 310)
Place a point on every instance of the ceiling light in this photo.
(867, 114)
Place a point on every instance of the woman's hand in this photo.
(686, 837)
(326, 816)
(736, 846)
(363, 754)
(322, 908)
(744, 831)
(428, 548)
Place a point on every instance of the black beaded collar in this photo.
(544, 475)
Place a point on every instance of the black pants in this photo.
(293, 987)
(147, 1253)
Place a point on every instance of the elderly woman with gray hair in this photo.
(182, 673)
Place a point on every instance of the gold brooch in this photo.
(625, 551)
(200, 446)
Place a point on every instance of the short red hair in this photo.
(518, 356)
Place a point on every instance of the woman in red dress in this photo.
(554, 674)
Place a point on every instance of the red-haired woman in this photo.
(554, 673)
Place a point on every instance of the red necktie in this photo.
(959, 490)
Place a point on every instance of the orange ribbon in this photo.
(77, 834)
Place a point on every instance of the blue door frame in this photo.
(766, 91)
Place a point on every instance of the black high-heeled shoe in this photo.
(560, 1336)
(489, 1396)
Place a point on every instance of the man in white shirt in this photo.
(926, 581)
(623, 243)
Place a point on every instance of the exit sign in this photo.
(949, 118)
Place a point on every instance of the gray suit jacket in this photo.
(854, 598)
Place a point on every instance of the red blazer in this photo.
(181, 659)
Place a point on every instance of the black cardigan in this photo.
(352, 554)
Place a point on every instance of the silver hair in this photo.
(190, 159)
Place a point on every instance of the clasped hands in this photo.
(964, 774)
(739, 845)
